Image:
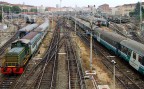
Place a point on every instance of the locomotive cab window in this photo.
(13, 45)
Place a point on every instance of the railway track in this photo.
(126, 77)
(75, 74)
(43, 70)
(117, 29)
(136, 37)
(7, 44)
(133, 33)
(48, 77)
(8, 80)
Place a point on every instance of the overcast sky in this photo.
(72, 3)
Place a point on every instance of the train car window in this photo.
(141, 60)
(124, 49)
(106, 39)
(114, 43)
(34, 44)
(129, 52)
(134, 55)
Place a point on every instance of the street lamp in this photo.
(140, 14)
(60, 5)
(52, 20)
(2, 14)
(120, 18)
(75, 23)
(114, 63)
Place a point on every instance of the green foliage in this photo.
(33, 10)
(13, 9)
(137, 9)
(16, 9)
(0, 17)
(24, 10)
(136, 12)
(131, 14)
(5, 8)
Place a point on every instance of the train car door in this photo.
(98, 37)
(134, 60)
(118, 48)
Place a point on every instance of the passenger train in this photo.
(30, 19)
(22, 49)
(131, 51)
(22, 32)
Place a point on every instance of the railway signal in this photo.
(114, 63)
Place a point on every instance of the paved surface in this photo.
(6, 34)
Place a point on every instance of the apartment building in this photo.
(105, 9)
(22, 6)
(124, 10)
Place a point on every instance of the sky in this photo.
(72, 3)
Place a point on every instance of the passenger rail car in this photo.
(22, 32)
(131, 51)
(81, 25)
(22, 49)
(30, 19)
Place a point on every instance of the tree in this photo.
(24, 10)
(13, 9)
(0, 17)
(131, 14)
(16, 9)
(33, 10)
(137, 9)
(5, 8)
(136, 12)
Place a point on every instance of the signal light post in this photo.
(91, 72)
(91, 25)
(114, 64)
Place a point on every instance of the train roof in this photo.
(100, 19)
(29, 27)
(111, 35)
(43, 26)
(16, 50)
(134, 45)
(26, 41)
(30, 36)
(82, 21)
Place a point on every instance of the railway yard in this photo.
(55, 53)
